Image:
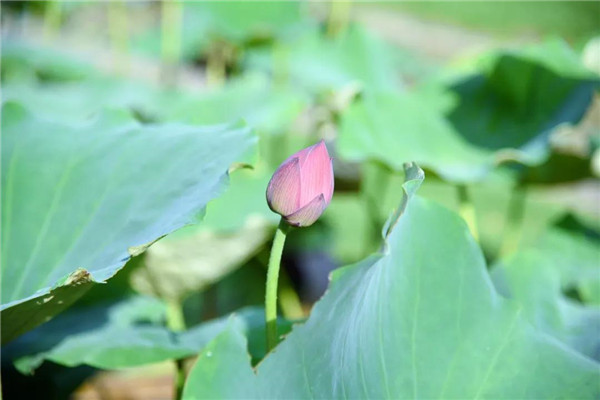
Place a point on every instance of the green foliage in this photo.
(404, 126)
(243, 21)
(80, 101)
(572, 19)
(210, 24)
(518, 100)
(253, 97)
(540, 275)
(27, 62)
(504, 113)
(98, 166)
(138, 336)
(79, 200)
(421, 318)
(196, 258)
(318, 63)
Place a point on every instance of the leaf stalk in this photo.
(176, 322)
(466, 209)
(271, 287)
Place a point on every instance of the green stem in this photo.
(272, 279)
(467, 210)
(179, 378)
(339, 14)
(176, 322)
(175, 318)
(118, 32)
(514, 221)
(172, 11)
(52, 19)
(280, 54)
(215, 64)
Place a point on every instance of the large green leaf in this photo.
(553, 55)
(419, 320)
(538, 276)
(319, 63)
(78, 101)
(252, 97)
(505, 112)
(392, 127)
(231, 232)
(22, 61)
(266, 107)
(518, 102)
(576, 21)
(491, 200)
(242, 21)
(137, 336)
(79, 200)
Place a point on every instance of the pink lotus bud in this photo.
(302, 186)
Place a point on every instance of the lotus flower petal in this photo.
(283, 192)
(316, 174)
(308, 214)
(302, 187)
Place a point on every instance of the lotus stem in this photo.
(272, 280)
(339, 15)
(172, 11)
(280, 54)
(118, 32)
(514, 221)
(52, 19)
(216, 64)
(176, 322)
(466, 209)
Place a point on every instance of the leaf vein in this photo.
(497, 355)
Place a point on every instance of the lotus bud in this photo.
(302, 186)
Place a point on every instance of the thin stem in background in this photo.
(179, 378)
(514, 221)
(52, 19)
(466, 209)
(119, 34)
(271, 288)
(281, 73)
(339, 15)
(172, 11)
(219, 54)
(176, 322)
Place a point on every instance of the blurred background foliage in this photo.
(497, 101)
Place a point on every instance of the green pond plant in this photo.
(300, 190)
